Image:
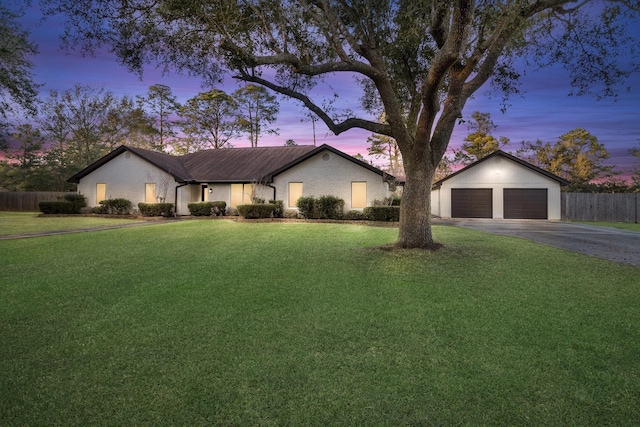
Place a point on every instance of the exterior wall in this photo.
(435, 202)
(219, 193)
(327, 173)
(126, 176)
(222, 192)
(497, 173)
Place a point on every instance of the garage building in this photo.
(499, 186)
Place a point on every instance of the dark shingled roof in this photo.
(226, 164)
(241, 164)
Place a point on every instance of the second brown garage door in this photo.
(525, 203)
(471, 203)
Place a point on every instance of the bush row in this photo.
(72, 204)
(207, 208)
(382, 213)
(113, 207)
(388, 201)
(323, 207)
(257, 211)
(156, 209)
(54, 208)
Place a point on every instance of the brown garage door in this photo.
(525, 203)
(471, 203)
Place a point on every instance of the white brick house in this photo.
(232, 175)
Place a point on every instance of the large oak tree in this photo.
(419, 61)
(17, 87)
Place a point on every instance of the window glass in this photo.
(236, 195)
(358, 195)
(295, 192)
(101, 192)
(150, 192)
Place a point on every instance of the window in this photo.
(236, 195)
(358, 195)
(295, 192)
(150, 192)
(101, 193)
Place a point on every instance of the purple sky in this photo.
(544, 111)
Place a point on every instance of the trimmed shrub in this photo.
(354, 215)
(330, 207)
(291, 214)
(306, 207)
(58, 208)
(382, 213)
(78, 200)
(71, 205)
(115, 206)
(324, 207)
(388, 201)
(231, 211)
(156, 209)
(257, 211)
(219, 208)
(207, 208)
(279, 211)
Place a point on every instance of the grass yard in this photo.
(622, 225)
(31, 222)
(235, 324)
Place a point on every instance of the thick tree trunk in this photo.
(415, 210)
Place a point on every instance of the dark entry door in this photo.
(525, 203)
(471, 203)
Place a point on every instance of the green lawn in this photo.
(622, 225)
(236, 324)
(31, 222)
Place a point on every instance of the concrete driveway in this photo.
(603, 242)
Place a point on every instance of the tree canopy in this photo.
(257, 109)
(17, 87)
(577, 156)
(419, 61)
(162, 103)
(210, 119)
(479, 143)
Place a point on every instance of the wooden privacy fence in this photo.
(27, 201)
(608, 207)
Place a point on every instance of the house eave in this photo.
(521, 162)
(115, 153)
(387, 177)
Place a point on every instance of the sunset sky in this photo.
(543, 111)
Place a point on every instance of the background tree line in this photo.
(71, 129)
(45, 141)
(576, 156)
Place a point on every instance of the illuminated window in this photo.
(101, 193)
(358, 195)
(150, 192)
(295, 192)
(236, 195)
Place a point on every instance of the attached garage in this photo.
(471, 203)
(498, 186)
(525, 203)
